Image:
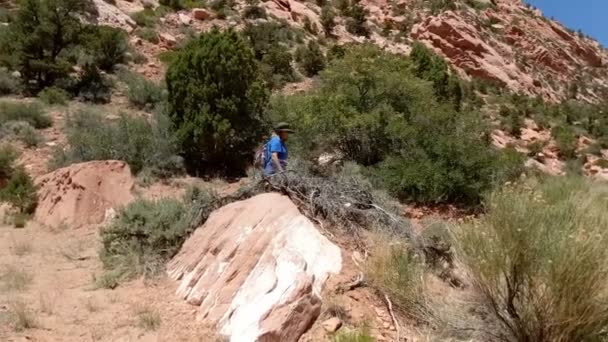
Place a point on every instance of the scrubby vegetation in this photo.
(54, 96)
(271, 42)
(310, 58)
(372, 108)
(397, 271)
(216, 104)
(32, 113)
(146, 234)
(47, 38)
(145, 146)
(538, 260)
(16, 186)
(141, 92)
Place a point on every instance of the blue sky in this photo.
(591, 16)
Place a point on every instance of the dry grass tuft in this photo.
(148, 318)
(47, 302)
(21, 247)
(356, 335)
(397, 271)
(91, 305)
(15, 279)
(21, 316)
(333, 308)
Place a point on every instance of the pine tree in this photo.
(215, 100)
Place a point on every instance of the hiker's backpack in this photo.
(259, 160)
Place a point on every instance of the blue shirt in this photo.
(275, 145)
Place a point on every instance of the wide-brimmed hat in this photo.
(283, 127)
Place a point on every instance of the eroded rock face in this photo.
(81, 194)
(111, 15)
(515, 46)
(256, 269)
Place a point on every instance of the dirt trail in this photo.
(66, 305)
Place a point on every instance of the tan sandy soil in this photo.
(66, 305)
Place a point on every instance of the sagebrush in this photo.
(538, 260)
(144, 145)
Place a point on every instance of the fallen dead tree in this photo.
(337, 204)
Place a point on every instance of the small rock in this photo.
(147, 3)
(386, 325)
(332, 325)
(16, 74)
(168, 39)
(151, 65)
(136, 41)
(51, 144)
(201, 14)
(185, 19)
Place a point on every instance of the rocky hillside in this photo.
(514, 45)
(506, 42)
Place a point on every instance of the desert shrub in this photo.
(138, 57)
(513, 123)
(479, 5)
(22, 131)
(20, 191)
(328, 20)
(108, 46)
(566, 140)
(438, 6)
(396, 270)
(271, 42)
(264, 36)
(310, 58)
(54, 96)
(357, 21)
(30, 137)
(253, 10)
(8, 155)
(32, 113)
(182, 4)
(216, 103)
(144, 235)
(145, 18)
(5, 15)
(8, 84)
(93, 86)
(276, 66)
(141, 92)
(16, 186)
(42, 37)
(142, 144)
(148, 34)
(222, 8)
(538, 260)
(371, 109)
(357, 335)
(429, 66)
(603, 163)
(536, 147)
(453, 168)
(310, 26)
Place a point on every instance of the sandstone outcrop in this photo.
(256, 269)
(81, 194)
(111, 15)
(515, 46)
